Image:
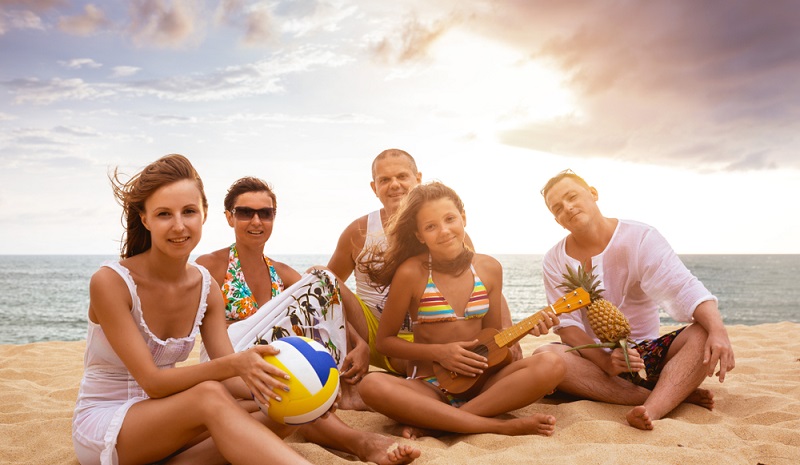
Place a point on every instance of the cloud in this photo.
(412, 40)
(258, 78)
(706, 84)
(259, 27)
(25, 19)
(85, 24)
(124, 71)
(79, 63)
(35, 91)
(161, 23)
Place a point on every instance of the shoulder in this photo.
(105, 276)
(414, 268)
(215, 262)
(488, 268)
(556, 250)
(286, 272)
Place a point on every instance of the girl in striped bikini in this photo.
(451, 294)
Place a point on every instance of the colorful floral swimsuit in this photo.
(239, 300)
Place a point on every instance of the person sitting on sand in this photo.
(251, 283)
(451, 294)
(639, 272)
(145, 311)
(394, 174)
(134, 405)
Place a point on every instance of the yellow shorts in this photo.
(376, 358)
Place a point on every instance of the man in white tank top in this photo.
(394, 174)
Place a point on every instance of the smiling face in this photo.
(394, 177)
(256, 230)
(440, 226)
(174, 215)
(572, 204)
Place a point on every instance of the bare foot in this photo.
(384, 451)
(538, 423)
(639, 418)
(413, 432)
(701, 397)
(351, 399)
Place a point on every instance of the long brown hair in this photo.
(133, 193)
(402, 242)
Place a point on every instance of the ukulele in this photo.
(493, 345)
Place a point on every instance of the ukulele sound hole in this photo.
(481, 350)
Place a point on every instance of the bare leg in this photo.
(518, 385)
(539, 374)
(414, 403)
(586, 380)
(333, 433)
(679, 379)
(207, 406)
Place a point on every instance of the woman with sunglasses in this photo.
(263, 293)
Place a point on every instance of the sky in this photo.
(682, 114)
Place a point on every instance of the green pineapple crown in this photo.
(582, 278)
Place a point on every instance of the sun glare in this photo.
(505, 86)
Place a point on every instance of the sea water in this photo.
(45, 297)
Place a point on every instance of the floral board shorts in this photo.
(654, 354)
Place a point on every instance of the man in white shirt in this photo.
(640, 274)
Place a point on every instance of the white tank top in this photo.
(365, 288)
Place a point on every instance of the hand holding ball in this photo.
(313, 381)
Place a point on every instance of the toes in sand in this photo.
(639, 418)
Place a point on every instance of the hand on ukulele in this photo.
(458, 358)
(549, 319)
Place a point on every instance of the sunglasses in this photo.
(246, 213)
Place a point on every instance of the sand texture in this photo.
(756, 419)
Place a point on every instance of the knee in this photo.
(551, 363)
(371, 387)
(212, 396)
(553, 348)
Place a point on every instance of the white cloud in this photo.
(166, 24)
(79, 63)
(124, 71)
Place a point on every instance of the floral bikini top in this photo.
(239, 300)
(434, 308)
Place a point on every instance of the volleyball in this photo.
(313, 381)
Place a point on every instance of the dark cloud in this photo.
(710, 82)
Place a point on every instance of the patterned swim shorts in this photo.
(654, 354)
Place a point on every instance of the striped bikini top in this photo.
(434, 308)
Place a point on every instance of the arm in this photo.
(718, 347)
(351, 241)
(110, 304)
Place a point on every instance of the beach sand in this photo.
(756, 420)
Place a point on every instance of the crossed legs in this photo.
(679, 380)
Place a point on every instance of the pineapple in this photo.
(608, 323)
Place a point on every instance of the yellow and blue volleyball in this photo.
(313, 381)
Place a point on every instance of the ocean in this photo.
(45, 297)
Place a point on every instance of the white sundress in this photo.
(108, 389)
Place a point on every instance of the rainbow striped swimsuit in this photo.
(434, 308)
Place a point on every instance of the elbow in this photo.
(153, 389)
